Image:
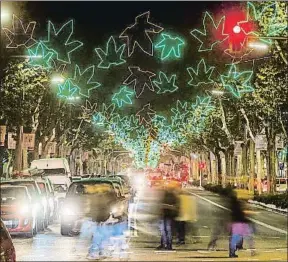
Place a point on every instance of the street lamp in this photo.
(217, 92)
(258, 45)
(57, 79)
(5, 15)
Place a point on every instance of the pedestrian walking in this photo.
(169, 211)
(239, 228)
(187, 215)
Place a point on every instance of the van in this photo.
(53, 166)
(56, 169)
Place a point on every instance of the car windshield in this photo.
(91, 188)
(42, 187)
(11, 195)
(60, 188)
(31, 189)
(55, 171)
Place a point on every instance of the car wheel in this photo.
(65, 230)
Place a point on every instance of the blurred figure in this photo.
(187, 214)
(239, 228)
(169, 211)
(221, 223)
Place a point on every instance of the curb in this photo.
(268, 206)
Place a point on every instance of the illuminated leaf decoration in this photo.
(108, 111)
(58, 41)
(138, 34)
(112, 56)
(202, 75)
(210, 29)
(20, 35)
(88, 110)
(201, 109)
(142, 133)
(276, 24)
(171, 46)
(67, 90)
(84, 80)
(40, 56)
(179, 113)
(204, 103)
(140, 79)
(124, 96)
(134, 122)
(99, 119)
(146, 114)
(159, 121)
(237, 82)
(165, 84)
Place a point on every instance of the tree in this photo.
(23, 89)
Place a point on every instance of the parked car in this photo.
(17, 210)
(48, 198)
(7, 250)
(95, 198)
(36, 196)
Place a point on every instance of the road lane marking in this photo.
(252, 219)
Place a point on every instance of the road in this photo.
(270, 240)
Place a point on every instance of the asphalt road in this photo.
(270, 239)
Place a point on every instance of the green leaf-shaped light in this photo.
(84, 80)
(210, 29)
(171, 46)
(68, 90)
(112, 56)
(237, 82)
(58, 41)
(165, 84)
(40, 56)
(124, 96)
(201, 75)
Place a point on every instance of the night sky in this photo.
(101, 19)
(96, 21)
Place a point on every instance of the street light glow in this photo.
(5, 15)
(258, 45)
(236, 29)
(217, 92)
(58, 79)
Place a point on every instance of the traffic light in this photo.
(237, 27)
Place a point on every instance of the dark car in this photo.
(94, 198)
(17, 210)
(7, 250)
(36, 196)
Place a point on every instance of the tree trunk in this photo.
(232, 160)
(252, 164)
(35, 153)
(271, 161)
(19, 150)
(218, 166)
(259, 171)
